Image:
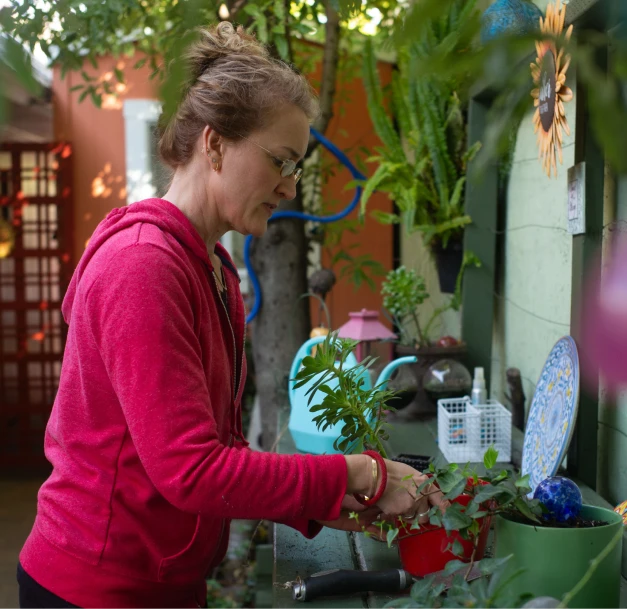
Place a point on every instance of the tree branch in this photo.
(330, 60)
(235, 8)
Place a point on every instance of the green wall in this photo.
(532, 303)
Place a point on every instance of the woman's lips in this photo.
(269, 207)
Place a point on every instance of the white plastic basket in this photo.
(465, 430)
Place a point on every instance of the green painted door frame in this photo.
(481, 237)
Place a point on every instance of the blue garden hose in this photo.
(357, 175)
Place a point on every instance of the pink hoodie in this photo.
(145, 438)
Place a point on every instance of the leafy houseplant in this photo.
(423, 168)
(346, 400)
(404, 291)
(496, 493)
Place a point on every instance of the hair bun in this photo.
(219, 42)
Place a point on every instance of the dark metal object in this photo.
(345, 581)
(418, 462)
(321, 282)
(516, 397)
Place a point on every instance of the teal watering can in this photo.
(307, 437)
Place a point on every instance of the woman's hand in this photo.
(401, 496)
(366, 516)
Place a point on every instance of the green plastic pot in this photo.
(555, 559)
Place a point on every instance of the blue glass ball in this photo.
(560, 496)
(516, 17)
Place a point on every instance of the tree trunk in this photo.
(280, 260)
(282, 325)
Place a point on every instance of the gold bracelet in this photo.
(375, 476)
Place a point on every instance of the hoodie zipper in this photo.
(237, 378)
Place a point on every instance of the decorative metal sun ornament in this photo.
(550, 92)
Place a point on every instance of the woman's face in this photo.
(248, 185)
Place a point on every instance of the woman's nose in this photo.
(287, 188)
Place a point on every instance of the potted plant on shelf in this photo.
(423, 164)
(404, 292)
(578, 559)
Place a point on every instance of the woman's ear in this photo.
(214, 145)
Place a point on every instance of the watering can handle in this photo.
(303, 352)
(386, 373)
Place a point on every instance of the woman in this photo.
(145, 437)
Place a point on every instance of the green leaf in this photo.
(523, 483)
(457, 548)
(392, 534)
(457, 490)
(524, 509)
(489, 491)
(487, 566)
(490, 457)
(454, 519)
(280, 42)
(452, 566)
(384, 217)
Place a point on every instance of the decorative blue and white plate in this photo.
(553, 413)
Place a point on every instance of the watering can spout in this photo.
(386, 373)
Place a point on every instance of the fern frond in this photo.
(381, 121)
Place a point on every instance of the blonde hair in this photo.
(234, 86)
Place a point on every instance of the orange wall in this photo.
(97, 138)
(351, 128)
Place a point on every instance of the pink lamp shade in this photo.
(364, 326)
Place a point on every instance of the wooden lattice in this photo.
(35, 199)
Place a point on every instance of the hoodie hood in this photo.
(164, 215)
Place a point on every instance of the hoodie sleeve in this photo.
(143, 325)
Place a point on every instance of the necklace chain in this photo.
(220, 280)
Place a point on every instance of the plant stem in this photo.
(435, 315)
(419, 330)
(594, 565)
(472, 558)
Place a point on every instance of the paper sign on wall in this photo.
(577, 199)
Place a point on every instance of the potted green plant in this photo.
(423, 164)
(547, 560)
(404, 292)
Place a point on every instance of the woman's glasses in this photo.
(287, 167)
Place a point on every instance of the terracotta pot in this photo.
(427, 356)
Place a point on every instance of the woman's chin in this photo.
(259, 230)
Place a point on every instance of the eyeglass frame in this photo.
(290, 164)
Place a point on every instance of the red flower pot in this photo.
(423, 550)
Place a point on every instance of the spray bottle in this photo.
(479, 395)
